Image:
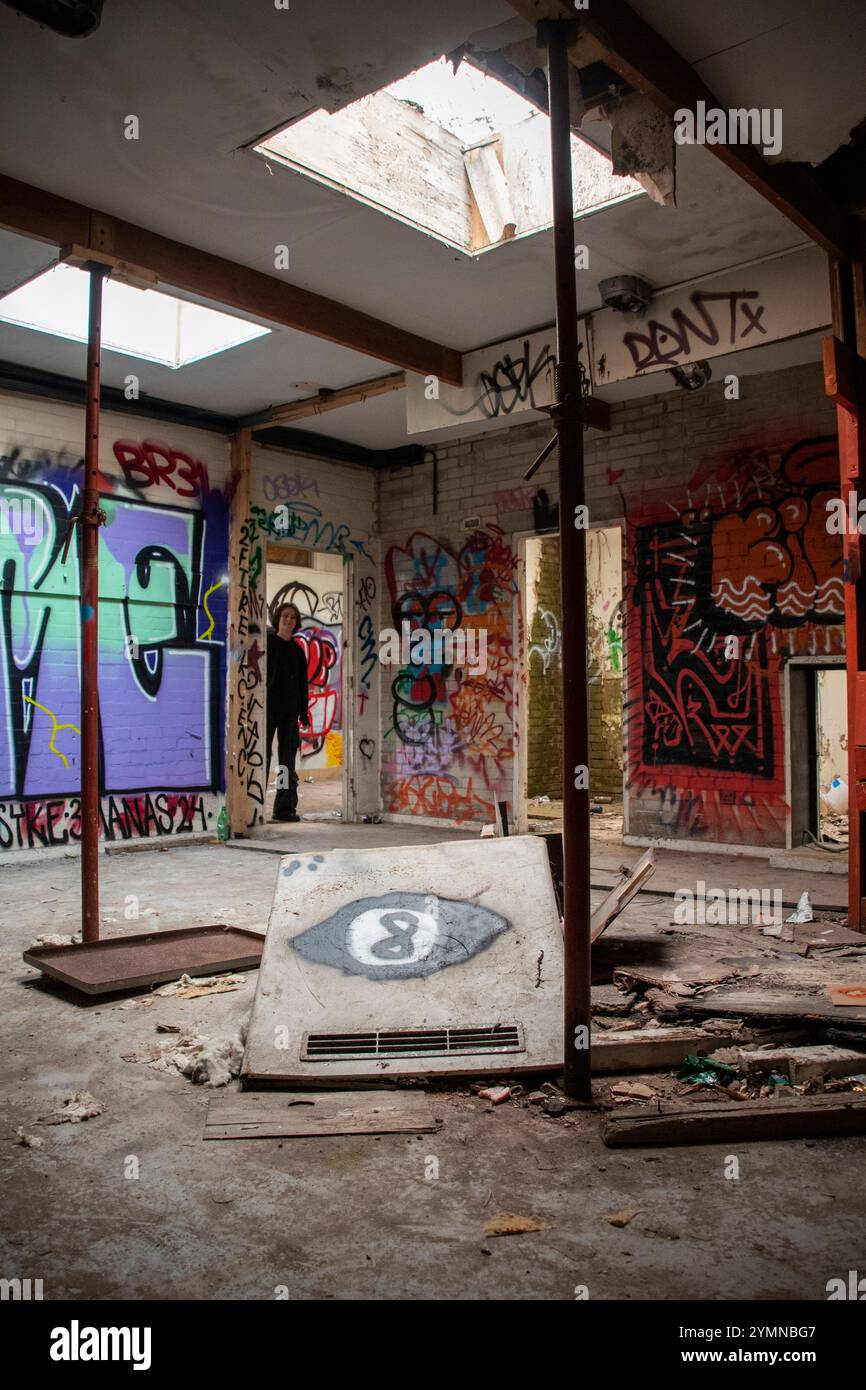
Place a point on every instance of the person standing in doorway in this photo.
(287, 705)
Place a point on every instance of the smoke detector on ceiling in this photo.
(629, 294)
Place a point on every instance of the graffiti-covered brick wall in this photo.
(724, 495)
(162, 563)
(728, 583)
(449, 741)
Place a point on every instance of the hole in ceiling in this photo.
(455, 154)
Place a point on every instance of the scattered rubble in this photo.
(56, 939)
(28, 1141)
(80, 1106)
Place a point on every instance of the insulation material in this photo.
(642, 145)
(430, 959)
(206, 1061)
(80, 1106)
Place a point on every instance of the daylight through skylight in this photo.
(457, 155)
(149, 324)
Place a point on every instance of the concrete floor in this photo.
(354, 1217)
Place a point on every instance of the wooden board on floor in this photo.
(299, 1114)
(648, 1049)
(704, 1122)
(773, 1004)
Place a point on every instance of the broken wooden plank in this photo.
(296, 1114)
(649, 1049)
(672, 1123)
(802, 1063)
(771, 1004)
(621, 895)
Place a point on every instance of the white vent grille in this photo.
(412, 1042)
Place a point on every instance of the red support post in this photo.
(89, 520)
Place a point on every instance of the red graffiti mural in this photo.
(723, 590)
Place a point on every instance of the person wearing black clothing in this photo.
(287, 705)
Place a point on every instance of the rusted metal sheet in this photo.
(148, 958)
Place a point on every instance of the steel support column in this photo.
(567, 414)
(89, 521)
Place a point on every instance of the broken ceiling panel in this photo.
(432, 959)
(642, 145)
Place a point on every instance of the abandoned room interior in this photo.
(468, 398)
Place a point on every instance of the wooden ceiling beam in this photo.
(650, 64)
(33, 212)
(332, 400)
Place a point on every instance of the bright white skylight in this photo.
(456, 155)
(140, 323)
(467, 102)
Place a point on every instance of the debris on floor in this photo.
(28, 1141)
(495, 1094)
(803, 910)
(506, 1223)
(624, 1217)
(299, 1114)
(192, 987)
(56, 939)
(80, 1106)
(206, 1061)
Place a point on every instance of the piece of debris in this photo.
(847, 995)
(632, 1090)
(803, 911)
(168, 1028)
(623, 1218)
(190, 987)
(55, 939)
(80, 1106)
(536, 1097)
(282, 1114)
(621, 894)
(28, 1141)
(560, 1105)
(206, 1061)
(644, 1049)
(496, 1094)
(783, 1117)
(607, 999)
(701, 1071)
(799, 1064)
(506, 1223)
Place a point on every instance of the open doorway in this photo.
(314, 582)
(818, 753)
(541, 751)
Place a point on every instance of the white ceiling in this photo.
(205, 77)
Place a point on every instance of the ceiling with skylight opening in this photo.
(149, 324)
(455, 154)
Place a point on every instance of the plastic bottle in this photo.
(224, 828)
(836, 796)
